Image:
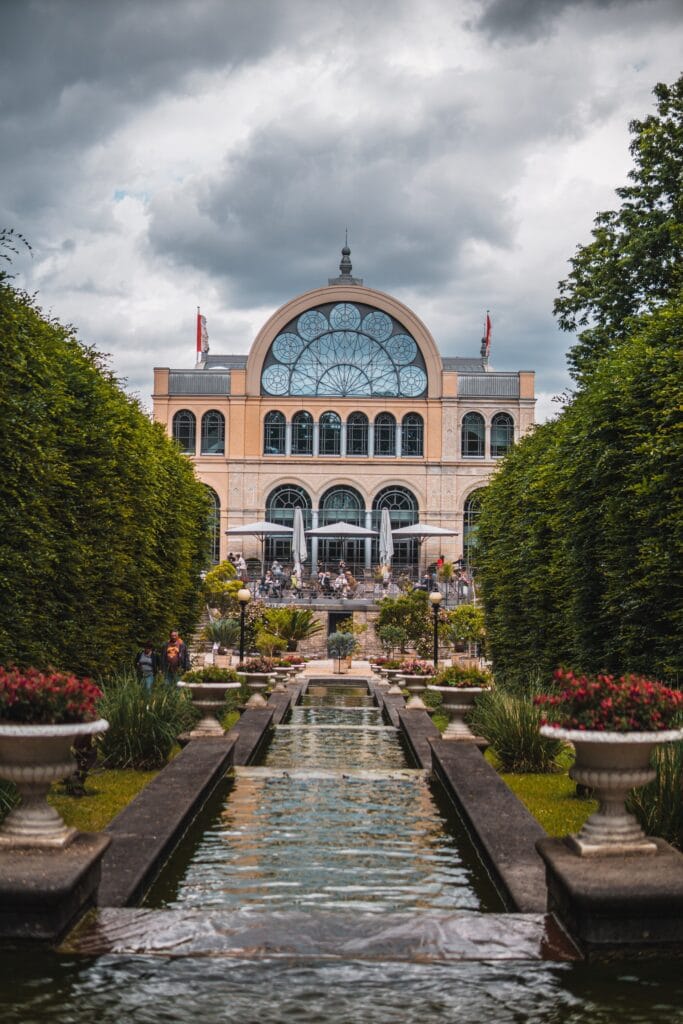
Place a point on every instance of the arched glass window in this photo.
(385, 434)
(213, 433)
(342, 504)
(470, 522)
(280, 506)
(473, 435)
(185, 431)
(274, 434)
(302, 433)
(502, 434)
(403, 511)
(344, 349)
(214, 525)
(330, 434)
(412, 434)
(357, 434)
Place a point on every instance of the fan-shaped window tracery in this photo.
(345, 349)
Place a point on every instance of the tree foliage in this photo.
(634, 263)
(581, 528)
(102, 524)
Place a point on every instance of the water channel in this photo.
(330, 883)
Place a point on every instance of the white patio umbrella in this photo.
(422, 530)
(299, 550)
(260, 529)
(386, 541)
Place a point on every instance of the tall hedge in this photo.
(581, 530)
(103, 526)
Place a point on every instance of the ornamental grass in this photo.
(604, 703)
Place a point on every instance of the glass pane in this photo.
(473, 434)
(412, 435)
(385, 435)
(330, 434)
(213, 434)
(274, 434)
(502, 435)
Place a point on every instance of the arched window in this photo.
(274, 434)
(302, 433)
(330, 434)
(213, 433)
(502, 434)
(214, 525)
(412, 434)
(470, 522)
(385, 434)
(185, 431)
(403, 511)
(357, 434)
(473, 435)
(342, 504)
(280, 506)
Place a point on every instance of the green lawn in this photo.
(107, 793)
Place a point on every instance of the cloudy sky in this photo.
(165, 154)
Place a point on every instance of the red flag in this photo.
(202, 333)
(487, 336)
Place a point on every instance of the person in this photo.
(424, 583)
(325, 582)
(386, 576)
(175, 658)
(439, 563)
(147, 664)
(241, 567)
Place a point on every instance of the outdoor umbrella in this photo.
(386, 541)
(421, 530)
(299, 551)
(261, 529)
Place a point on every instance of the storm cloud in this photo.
(162, 155)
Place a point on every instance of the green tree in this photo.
(102, 522)
(634, 263)
(291, 625)
(410, 612)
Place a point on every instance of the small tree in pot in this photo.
(339, 647)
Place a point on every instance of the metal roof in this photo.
(488, 385)
(463, 364)
(198, 382)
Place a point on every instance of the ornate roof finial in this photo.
(345, 268)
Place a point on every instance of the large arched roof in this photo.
(356, 295)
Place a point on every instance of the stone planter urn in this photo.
(286, 670)
(257, 681)
(208, 698)
(415, 685)
(33, 757)
(457, 702)
(612, 764)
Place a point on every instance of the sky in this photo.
(166, 154)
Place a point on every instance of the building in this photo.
(344, 406)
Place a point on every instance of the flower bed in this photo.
(603, 703)
(210, 674)
(257, 665)
(32, 697)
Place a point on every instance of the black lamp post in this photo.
(436, 597)
(244, 597)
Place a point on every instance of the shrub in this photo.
(341, 645)
(210, 674)
(142, 726)
(291, 625)
(630, 703)
(659, 805)
(413, 667)
(224, 632)
(257, 665)
(511, 725)
(456, 675)
(46, 698)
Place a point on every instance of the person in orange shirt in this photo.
(175, 658)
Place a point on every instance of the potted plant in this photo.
(257, 673)
(209, 688)
(613, 724)
(339, 647)
(459, 688)
(42, 715)
(414, 674)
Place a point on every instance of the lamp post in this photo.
(244, 597)
(436, 597)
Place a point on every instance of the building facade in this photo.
(344, 406)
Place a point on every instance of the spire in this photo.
(345, 267)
